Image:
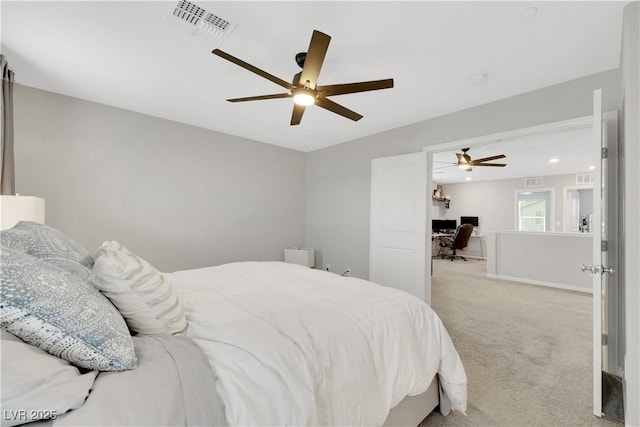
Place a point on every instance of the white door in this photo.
(397, 248)
(596, 226)
(603, 254)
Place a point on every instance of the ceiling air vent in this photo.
(188, 12)
(584, 178)
(533, 182)
(201, 20)
(214, 24)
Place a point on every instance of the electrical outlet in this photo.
(328, 268)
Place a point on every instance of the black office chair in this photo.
(459, 241)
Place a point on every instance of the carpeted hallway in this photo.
(526, 349)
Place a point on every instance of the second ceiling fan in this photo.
(465, 162)
(304, 88)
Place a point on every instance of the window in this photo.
(534, 210)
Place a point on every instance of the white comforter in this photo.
(294, 346)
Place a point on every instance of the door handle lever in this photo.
(598, 269)
(593, 269)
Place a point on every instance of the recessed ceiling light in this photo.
(554, 160)
(528, 13)
(468, 178)
(592, 167)
(479, 78)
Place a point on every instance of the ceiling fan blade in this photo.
(342, 89)
(327, 104)
(315, 57)
(499, 165)
(253, 69)
(296, 116)
(488, 159)
(260, 97)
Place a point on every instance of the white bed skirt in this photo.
(412, 410)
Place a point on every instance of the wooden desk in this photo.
(479, 237)
(434, 235)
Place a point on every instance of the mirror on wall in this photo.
(578, 206)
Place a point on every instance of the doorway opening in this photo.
(568, 211)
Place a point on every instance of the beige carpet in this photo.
(526, 349)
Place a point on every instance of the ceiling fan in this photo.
(304, 88)
(465, 162)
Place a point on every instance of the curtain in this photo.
(7, 173)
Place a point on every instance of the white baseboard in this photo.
(540, 283)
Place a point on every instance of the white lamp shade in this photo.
(20, 208)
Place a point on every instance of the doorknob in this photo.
(610, 270)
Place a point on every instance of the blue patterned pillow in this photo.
(62, 314)
(50, 245)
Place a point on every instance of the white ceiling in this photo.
(128, 55)
(526, 157)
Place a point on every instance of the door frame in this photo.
(547, 128)
(511, 135)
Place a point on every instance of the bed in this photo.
(246, 343)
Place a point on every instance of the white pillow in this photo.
(37, 385)
(147, 302)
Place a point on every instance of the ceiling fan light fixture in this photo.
(304, 97)
(303, 88)
(465, 167)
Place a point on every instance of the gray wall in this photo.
(179, 196)
(494, 201)
(630, 231)
(338, 177)
(546, 259)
